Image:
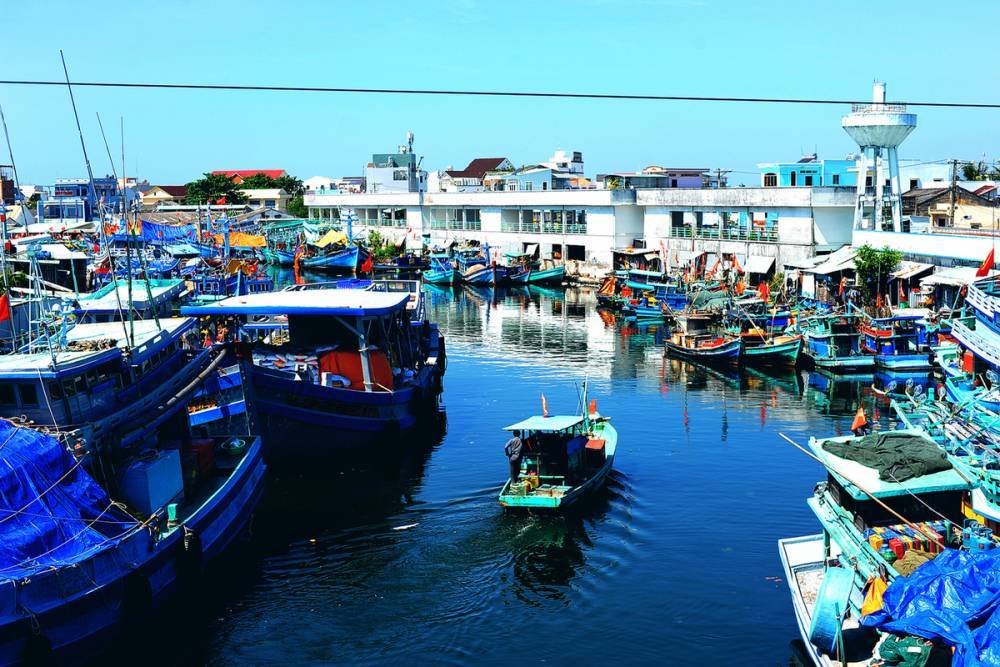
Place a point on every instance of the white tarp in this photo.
(759, 264)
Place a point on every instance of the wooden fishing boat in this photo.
(567, 459)
(827, 573)
(705, 348)
(901, 342)
(345, 259)
(361, 363)
(442, 271)
(833, 343)
(776, 350)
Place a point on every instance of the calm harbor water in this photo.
(410, 559)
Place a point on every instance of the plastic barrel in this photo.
(828, 614)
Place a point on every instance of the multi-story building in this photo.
(75, 202)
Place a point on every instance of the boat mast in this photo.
(3, 224)
(142, 255)
(121, 193)
(86, 159)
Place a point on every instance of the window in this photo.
(400, 175)
(914, 184)
(29, 395)
(268, 203)
(836, 179)
(472, 221)
(545, 186)
(55, 391)
(511, 186)
(576, 252)
(673, 182)
(7, 394)
(791, 178)
(770, 180)
(809, 180)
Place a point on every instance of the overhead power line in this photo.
(487, 93)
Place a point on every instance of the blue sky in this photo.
(928, 51)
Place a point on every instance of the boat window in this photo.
(69, 389)
(81, 385)
(55, 391)
(29, 395)
(91, 378)
(7, 394)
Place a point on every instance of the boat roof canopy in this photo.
(318, 302)
(546, 424)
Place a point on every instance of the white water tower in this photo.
(878, 128)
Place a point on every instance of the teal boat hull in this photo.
(782, 353)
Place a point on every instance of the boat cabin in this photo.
(93, 372)
(110, 303)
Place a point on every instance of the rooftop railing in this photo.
(878, 108)
(714, 233)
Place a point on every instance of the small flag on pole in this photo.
(859, 419)
(986, 266)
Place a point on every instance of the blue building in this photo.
(809, 171)
(73, 202)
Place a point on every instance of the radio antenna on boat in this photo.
(107, 244)
(3, 224)
(865, 491)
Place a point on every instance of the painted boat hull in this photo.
(904, 362)
(442, 276)
(726, 353)
(329, 419)
(780, 353)
(93, 608)
(346, 259)
(555, 274)
(481, 277)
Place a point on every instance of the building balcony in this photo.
(714, 233)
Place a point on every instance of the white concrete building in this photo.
(267, 198)
(786, 224)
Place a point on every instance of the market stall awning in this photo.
(758, 264)
(909, 270)
(841, 260)
(956, 276)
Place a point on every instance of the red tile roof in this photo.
(174, 190)
(247, 173)
(478, 167)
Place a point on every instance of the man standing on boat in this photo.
(514, 449)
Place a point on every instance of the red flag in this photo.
(4, 308)
(843, 283)
(367, 266)
(986, 266)
(764, 291)
(593, 407)
(220, 201)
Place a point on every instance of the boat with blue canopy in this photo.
(565, 459)
(833, 343)
(900, 342)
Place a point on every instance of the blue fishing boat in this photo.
(79, 564)
(567, 458)
(441, 271)
(150, 298)
(901, 342)
(704, 348)
(833, 343)
(361, 363)
(345, 259)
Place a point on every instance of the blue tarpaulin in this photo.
(953, 598)
(52, 512)
(154, 232)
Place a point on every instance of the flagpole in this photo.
(3, 223)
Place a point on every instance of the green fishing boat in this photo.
(566, 458)
(776, 350)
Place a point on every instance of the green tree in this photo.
(980, 171)
(296, 206)
(214, 187)
(258, 182)
(290, 184)
(873, 266)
